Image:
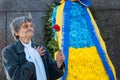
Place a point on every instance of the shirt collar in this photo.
(20, 47)
(26, 45)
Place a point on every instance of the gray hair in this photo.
(15, 24)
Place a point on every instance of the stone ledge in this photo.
(106, 4)
(25, 5)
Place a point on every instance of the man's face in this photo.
(26, 30)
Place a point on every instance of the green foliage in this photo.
(51, 43)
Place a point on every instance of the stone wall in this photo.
(107, 18)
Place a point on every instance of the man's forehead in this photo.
(27, 23)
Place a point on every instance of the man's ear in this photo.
(16, 34)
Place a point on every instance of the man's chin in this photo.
(30, 36)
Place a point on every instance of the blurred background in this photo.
(106, 14)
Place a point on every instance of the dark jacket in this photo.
(18, 68)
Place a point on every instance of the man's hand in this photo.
(59, 58)
(40, 50)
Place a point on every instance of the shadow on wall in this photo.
(2, 45)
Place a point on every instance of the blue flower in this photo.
(79, 35)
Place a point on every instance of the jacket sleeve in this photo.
(54, 71)
(13, 70)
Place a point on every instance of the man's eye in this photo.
(31, 25)
(25, 26)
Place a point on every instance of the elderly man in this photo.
(25, 60)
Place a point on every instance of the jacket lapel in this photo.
(19, 46)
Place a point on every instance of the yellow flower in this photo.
(85, 64)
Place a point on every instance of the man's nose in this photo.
(30, 28)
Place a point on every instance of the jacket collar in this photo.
(20, 47)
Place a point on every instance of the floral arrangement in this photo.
(83, 58)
